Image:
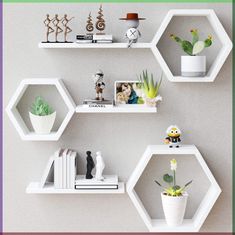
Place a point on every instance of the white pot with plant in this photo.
(42, 116)
(150, 89)
(193, 65)
(174, 198)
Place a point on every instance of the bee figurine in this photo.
(173, 136)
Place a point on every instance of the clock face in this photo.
(132, 33)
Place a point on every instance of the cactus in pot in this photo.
(42, 116)
(193, 64)
(150, 89)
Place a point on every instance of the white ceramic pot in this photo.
(152, 102)
(174, 208)
(42, 124)
(193, 66)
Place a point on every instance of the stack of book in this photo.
(65, 168)
(84, 38)
(91, 103)
(61, 169)
(109, 182)
(102, 38)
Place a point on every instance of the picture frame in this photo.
(128, 93)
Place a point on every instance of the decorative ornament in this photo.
(89, 26)
(47, 23)
(100, 23)
(67, 29)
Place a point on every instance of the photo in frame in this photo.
(128, 93)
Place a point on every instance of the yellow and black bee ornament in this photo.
(173, 136)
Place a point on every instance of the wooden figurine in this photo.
(99, 167)
(47, 23)
(67, 29)
(99, 84)
(89, 26)
(90, 165)
(58, 29)
(100, 24)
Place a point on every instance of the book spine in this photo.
(56, 173)
(68, 170)
(65, 171)
(60, 160)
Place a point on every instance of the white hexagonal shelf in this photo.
(218, 29)
(159, 225)
(18, 121)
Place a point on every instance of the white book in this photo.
(96, 187)
(108, 180)
(73, 168)
(47, 172)
(68, 171)
(103, 37)
(56, 168)
(64, 168)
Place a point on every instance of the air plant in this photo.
(149, 87)
(173, 190)
(40, 107)
(196, 46)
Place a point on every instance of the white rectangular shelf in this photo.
(191, 79)
(93, 45)
(160, 225)
(117, 109)
(34, 188)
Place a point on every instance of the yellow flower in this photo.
(209, 37)
(173, 164)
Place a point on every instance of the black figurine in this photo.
(90, 165)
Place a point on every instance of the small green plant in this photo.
(195, 47)
(40, 107)
(173, 189)
(149, 88)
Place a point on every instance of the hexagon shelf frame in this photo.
(19, 123)
(159, 225)
(217, 27)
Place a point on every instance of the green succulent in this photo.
(40, 107)
(196, 46)
(149, 87)
(173, 190)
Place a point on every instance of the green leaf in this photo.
(176, 187)
(168, 178)
(198, 47)
(187, 47)
(195, 36)
(188, 183)
(207, 42)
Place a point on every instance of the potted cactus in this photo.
(193, 65)
(150, 89)
(42, 116)
(174, 197)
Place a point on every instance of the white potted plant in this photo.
(193, 65)
(150, 89)
(42, 116)
(174, 198)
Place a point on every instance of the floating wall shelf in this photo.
(93, 45)
(117, 109)
(18, 121)
(34, 188)
(218, 29)
(212, 18)
(159, 225)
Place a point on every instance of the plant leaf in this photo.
(187, 47)
(198, 47)
(168, 178)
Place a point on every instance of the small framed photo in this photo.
(128, 93)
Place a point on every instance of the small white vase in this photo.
(174, 208)
(42, 124)
(152, 102)
(193, 66)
